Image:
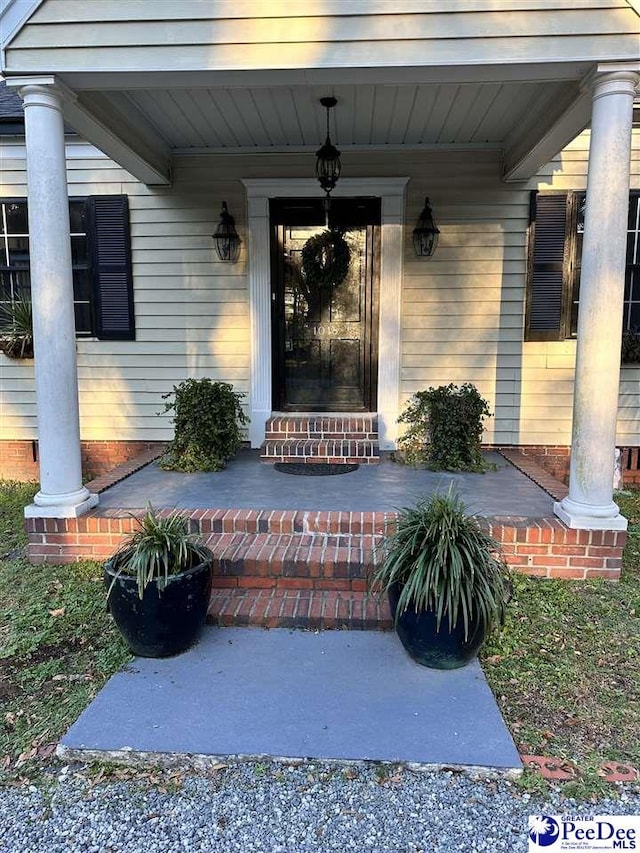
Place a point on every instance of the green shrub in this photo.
(207, 420)
(444, 428)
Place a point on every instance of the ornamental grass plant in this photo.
(443, 561)
(160, 548)
(16, 328)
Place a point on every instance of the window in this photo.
(555, 253)
(100, 258)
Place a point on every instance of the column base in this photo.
(36, 510)
(577, 516)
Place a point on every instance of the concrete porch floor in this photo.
(247, 483)
(334, 695)
(274, 534)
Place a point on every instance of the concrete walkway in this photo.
(335, 695)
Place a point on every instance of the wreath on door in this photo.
(325, 259)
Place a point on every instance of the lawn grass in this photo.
(57, 644)
(565, 670)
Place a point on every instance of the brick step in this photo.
(310, 450)
(205, 522)
(322, 427)
(298, 560)
(311, 609)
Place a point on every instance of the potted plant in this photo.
(159, 585)
(16, 328)
(446, 581)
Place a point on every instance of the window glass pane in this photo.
(18, 248)
(634, 317)
(581, 201)
(633, 248)
(5, 286)
(16, 216)
(81, 285)
(14, 259)
(573, 328)
(78, 250)
(76, 217)
(14, 284)
(83, 317)
(632, 299)
(634, 212)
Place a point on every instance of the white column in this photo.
(61, 492)
(260, 316)
(589, 504)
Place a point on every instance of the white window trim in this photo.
(391, 191)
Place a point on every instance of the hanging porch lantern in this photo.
(426, 233)
(226, 237)
(328, 157)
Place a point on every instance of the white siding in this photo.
(191, 310)
(463, 309)
(67, 35)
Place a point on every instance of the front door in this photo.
(325, 324)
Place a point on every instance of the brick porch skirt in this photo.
(321, 550)
(19, 459)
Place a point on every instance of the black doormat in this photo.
(314, 469)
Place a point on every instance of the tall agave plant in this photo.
(16, 328)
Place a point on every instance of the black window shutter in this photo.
(110, 256)
(547, 268)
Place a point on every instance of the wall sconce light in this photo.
(328, 158)
(226, 237)
(426, 233)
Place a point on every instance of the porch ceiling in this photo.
(143, 126)
(281, 117)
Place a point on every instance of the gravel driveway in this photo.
(271, 807)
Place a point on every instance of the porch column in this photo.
(61, 491)
(589, 504)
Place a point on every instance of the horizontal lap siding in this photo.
(191, 310)
(462, 308)
(201, 35)
(548, 367)
(462, 317)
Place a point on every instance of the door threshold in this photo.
(340, 414)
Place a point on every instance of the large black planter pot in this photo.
(160, 624)
(443, 649)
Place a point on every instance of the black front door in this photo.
(325, 331)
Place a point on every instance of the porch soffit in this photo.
(142, 128)
(284, 117)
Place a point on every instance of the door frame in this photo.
(391, 192)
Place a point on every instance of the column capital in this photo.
(43, 90)
(619, 79)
